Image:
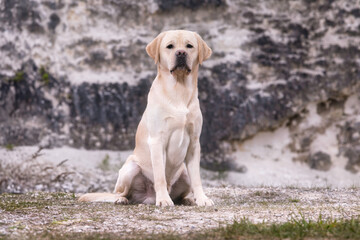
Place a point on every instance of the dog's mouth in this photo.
(181, 68)
(181, 65)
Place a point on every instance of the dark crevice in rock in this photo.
(167, 5)
(54, 21)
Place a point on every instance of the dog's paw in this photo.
(164, 202)
(122, 201)
(204, 201)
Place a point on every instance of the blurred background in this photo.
(280, 94)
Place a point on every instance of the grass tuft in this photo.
(13, 205)
(9, 146)
(105, 163)
(30, 174)
(294, 229)
(19, 76)
(44, 76)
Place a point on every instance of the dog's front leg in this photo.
(193, 167)
(158, 166)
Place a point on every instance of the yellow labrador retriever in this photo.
(165, 165)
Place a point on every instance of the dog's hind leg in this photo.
(126, 175)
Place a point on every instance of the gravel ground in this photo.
(35, 213)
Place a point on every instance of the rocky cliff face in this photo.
(76, 73)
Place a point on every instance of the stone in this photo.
(349, 145)
(320, 161)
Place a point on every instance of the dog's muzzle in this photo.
(180, 62)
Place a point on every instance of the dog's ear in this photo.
(204, 50)
(153, 48)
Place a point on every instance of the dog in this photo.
(165, 166)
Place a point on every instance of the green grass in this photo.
(294, 229)
(9, 147)
(19, 76)
(31, 201)
(242, 229)
(265, 194)
(59, 195)
(44, 75)
(105, 163)
(13, 205)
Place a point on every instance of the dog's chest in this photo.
(180, 127)
(181, 119)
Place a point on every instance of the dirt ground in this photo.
(36, 213)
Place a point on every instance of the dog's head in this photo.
(178, 50)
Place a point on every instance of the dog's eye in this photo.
(170, 46)
(189, 46)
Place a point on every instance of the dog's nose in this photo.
(180, 53)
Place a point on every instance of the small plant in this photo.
(105, 163)
(31, 174)
(18, 226)
(19, 76)
(257, 193)
(294, 200)
(9, 147)
(265, 194)
(44, 76)
(58, 195)
(68, 96)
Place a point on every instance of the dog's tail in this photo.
(99, 197)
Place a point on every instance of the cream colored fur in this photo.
(165, 164)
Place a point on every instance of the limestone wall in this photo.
(76, 73)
